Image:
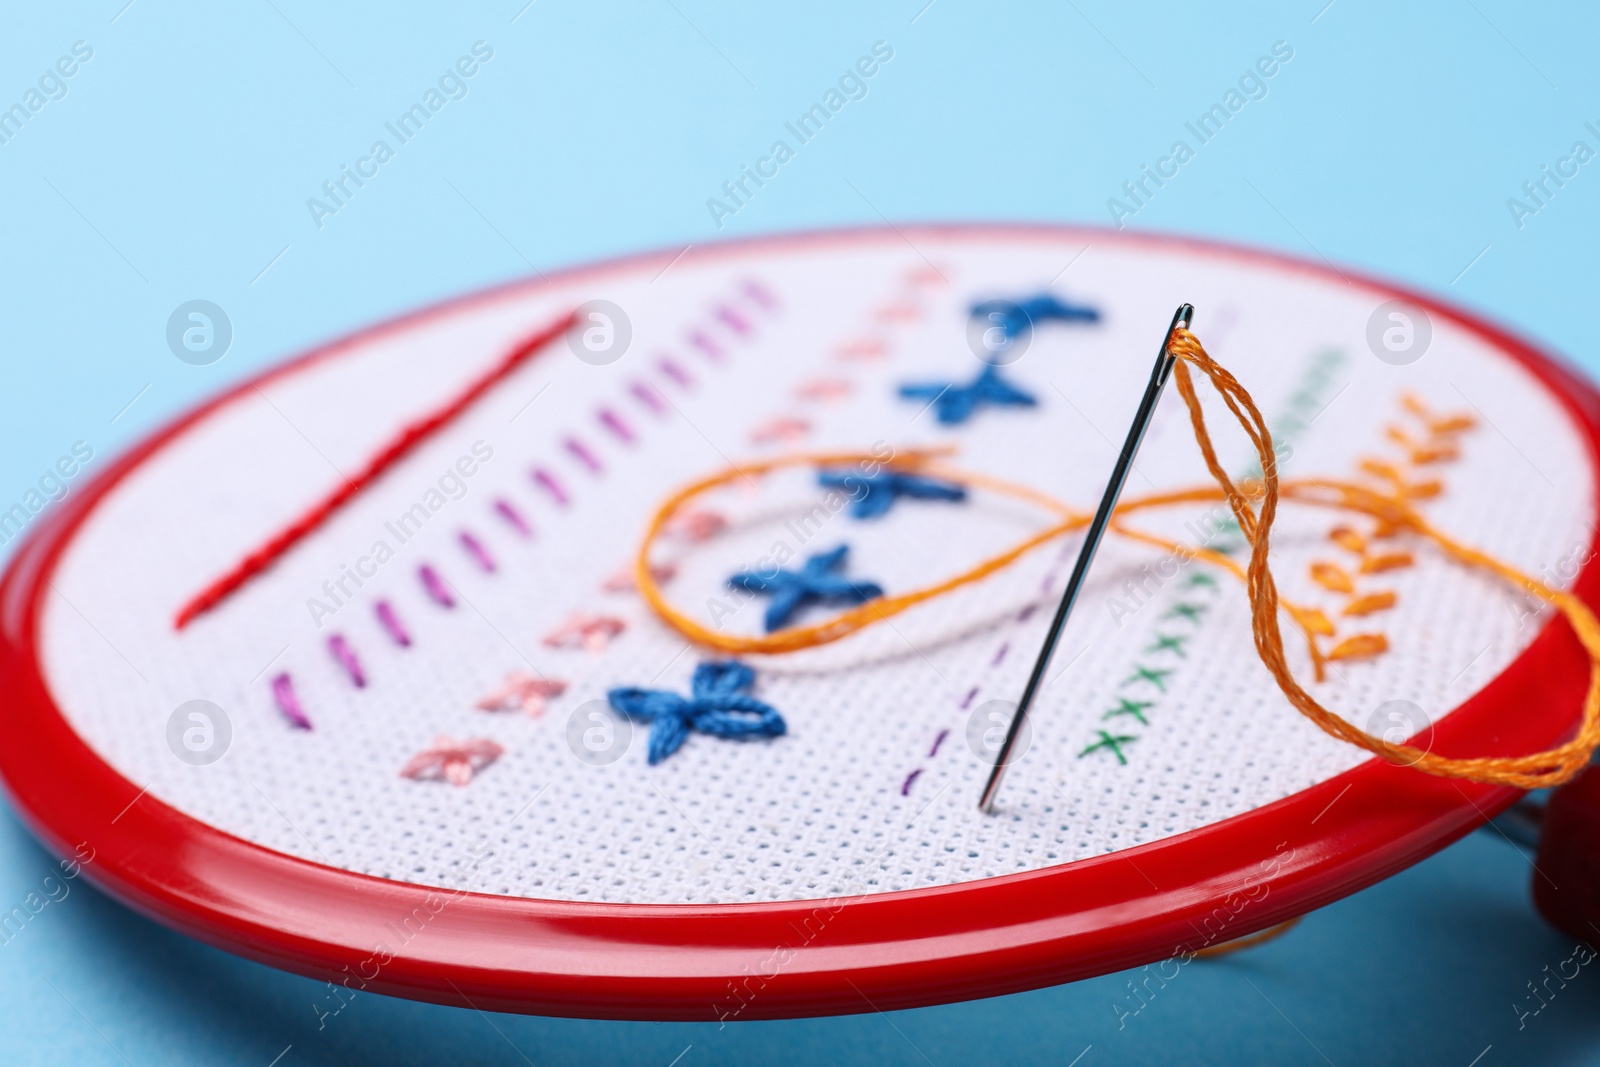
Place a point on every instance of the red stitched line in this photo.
(392, 453)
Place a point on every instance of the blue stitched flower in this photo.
(815, 583)
(878, 492)
(1016, 317)
(956, 403)
(717, 705)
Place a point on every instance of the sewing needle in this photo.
(1091, 542)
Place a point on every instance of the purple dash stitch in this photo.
(435, 586)
(582, 454)
(733, 320)
(971, 695)
(347, 659)
(674, 370)
(758, 292)
(905, 790)
(283, 694)
(391, 623)
(614, 422)
(704, 343)
(937, 741)
(1000, 654)
(547, 481)
(475, 549)
(647, 395)
(508, 511)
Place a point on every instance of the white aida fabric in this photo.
(874, 786)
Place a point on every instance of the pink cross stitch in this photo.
(621, 580)
(863, 348)
(582, 630)
(523, 690)
(823, 389)
(452, 761)
(697, 525)
(780, 428)
(902, 311)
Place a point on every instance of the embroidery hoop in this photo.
(882, 951)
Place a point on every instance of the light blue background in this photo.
(178, 166)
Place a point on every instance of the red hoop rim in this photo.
(771, 960)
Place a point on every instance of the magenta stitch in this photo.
(674, 370)
(649, 396)
(582, 454)
(937, 741)
(391, 622)
(288, 703)
(735, 321)
(547, 481)
(971, 696)
(435, 586)
(905, 790)
(1000, 654)
(700, 340)
(760, 294)
(614, 422)
(347, 659)
(508, 511)
(475, 548)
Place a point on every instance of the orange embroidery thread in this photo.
(1254, 506)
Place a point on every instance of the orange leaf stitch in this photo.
(1332, 577)
(1346, 538)
(1313, 620)
(1371, 603)
(1400, 437)
(1451, 424)
(1434, 454)
(1381, 469)
(1387, 562)
(1361, 646)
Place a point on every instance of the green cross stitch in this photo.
(1169, 643)
(1154, 675)
(1136, 708)
(1112, 743)
(1185, 610)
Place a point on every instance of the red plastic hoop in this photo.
(773, 960)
